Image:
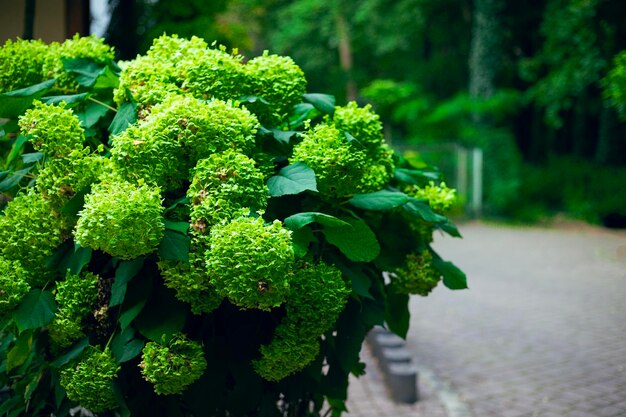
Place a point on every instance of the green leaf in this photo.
(449, 228)
(17, 147)
(135, 300)
(76, 203)
(299, 220)
(14, 179)
(125, 346)
(85, 70)
(36, 310)
(71, 354)
(301, 239)
(356, 240)
(20, 351)
(323, 102)
(123, 274)
(379, 200)
(93, 113)
(69, 99)
(453, 277)
(30, 158)
(79, 259)
(253, 99)
(397, 314)
(14, 103)
(293, 179)
(421, 209)
(163, 316)
(107, 79)
(126, 115)
(414, 176)
(283, 136)
(181, 227)
(174, 246)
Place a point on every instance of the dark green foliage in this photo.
(192, 235)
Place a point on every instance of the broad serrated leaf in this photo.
(14, 179)
(36, 310)
(174, 246)
(14, 103)
(293, 179)
(73, 353)
(379, 200)
(107, 79)
(76, 203)
(20, 351)
(453, 277)
(356, 241)
(397, 314)
(450, 228)
(31, 158)
(85, 70)
(137, 296)
(125, 346)
(125, 271)
(301, 239)
(69, 99)
(17, 147)
(283, 136)
(162, 317)
(93, 113)
(79, 259)
(323, 102)
(126, 115)
(421, 209)
(181, 227)
(299, 220)
(414, 176)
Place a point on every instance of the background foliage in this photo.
(530, 83)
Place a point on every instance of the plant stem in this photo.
(102, 104)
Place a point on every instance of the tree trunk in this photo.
(484, 57)
(345, 52)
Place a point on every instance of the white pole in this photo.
(477, 181)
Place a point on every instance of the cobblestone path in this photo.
(542, 330)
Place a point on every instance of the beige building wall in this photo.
(50, 20)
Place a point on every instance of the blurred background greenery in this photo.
(539, 85)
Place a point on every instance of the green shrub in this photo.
(188, 233)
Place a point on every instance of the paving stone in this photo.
(540, 332)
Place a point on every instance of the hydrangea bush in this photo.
(191, 233)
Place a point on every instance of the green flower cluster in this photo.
(279, 82)
(13, 284)
(59, 179)
(191, 281)
(89, 382)
(21, 63)
(89, 47)
(440, 198)
(347, 153)
(176, 65)
(27, 62)
(215, 74)
(30, 230)
(172, 367)
(162, 148)
(418, 276)
(248, 262)
(75, 297)
(318, 295)
(190, 67)
(53, 130)
(121, 219)
(225, 186)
